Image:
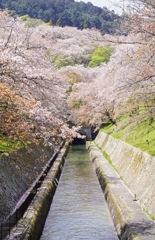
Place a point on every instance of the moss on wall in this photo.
(31, 225)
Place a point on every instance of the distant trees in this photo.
(50, 65)
(67, 13)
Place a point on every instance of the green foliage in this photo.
(25, 17)
(33, 22)
(100, 55)
(50, 23)
(66, 13)
(140, 134)
(7, 146)
(62, 61)
(149, 215)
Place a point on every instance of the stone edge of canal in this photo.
(31, 225)
(130, 221)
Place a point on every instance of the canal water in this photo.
(79, 210)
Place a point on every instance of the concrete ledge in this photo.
(135, 167)
(129, 219)
(31, 225)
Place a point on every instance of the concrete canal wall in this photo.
(17, 172)
(136, 168)
(126, 175)
(124, 172)
(31, 225)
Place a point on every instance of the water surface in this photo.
(79, 210)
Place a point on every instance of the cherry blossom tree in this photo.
(48, 66)
(32, 91)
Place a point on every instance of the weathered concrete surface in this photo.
(136, 168)
(17, 173)
(130, 220)
(31, 225)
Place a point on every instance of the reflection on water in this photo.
(79, 210)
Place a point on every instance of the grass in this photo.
(7, 146)
(143, 137)
(149, 215)
(141, 134)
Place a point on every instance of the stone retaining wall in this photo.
(31, 225)
(130, 220)
(136, 168)
(17, 172)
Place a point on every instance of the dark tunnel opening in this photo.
(77, 141)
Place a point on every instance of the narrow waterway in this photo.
(79, 210)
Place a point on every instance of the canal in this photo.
(79, 210)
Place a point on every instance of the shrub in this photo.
(99, 55)
(33, 22)
(62, 61)
(24, 17)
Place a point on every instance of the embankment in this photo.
(136, 168)
(31, 225)
(119, 167)
(17, 172)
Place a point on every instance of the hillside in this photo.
(67, 13)
(52, 75)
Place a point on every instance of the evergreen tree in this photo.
(59, 22)
(66, 13)
(85, 25)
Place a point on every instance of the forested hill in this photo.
(66, 13)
